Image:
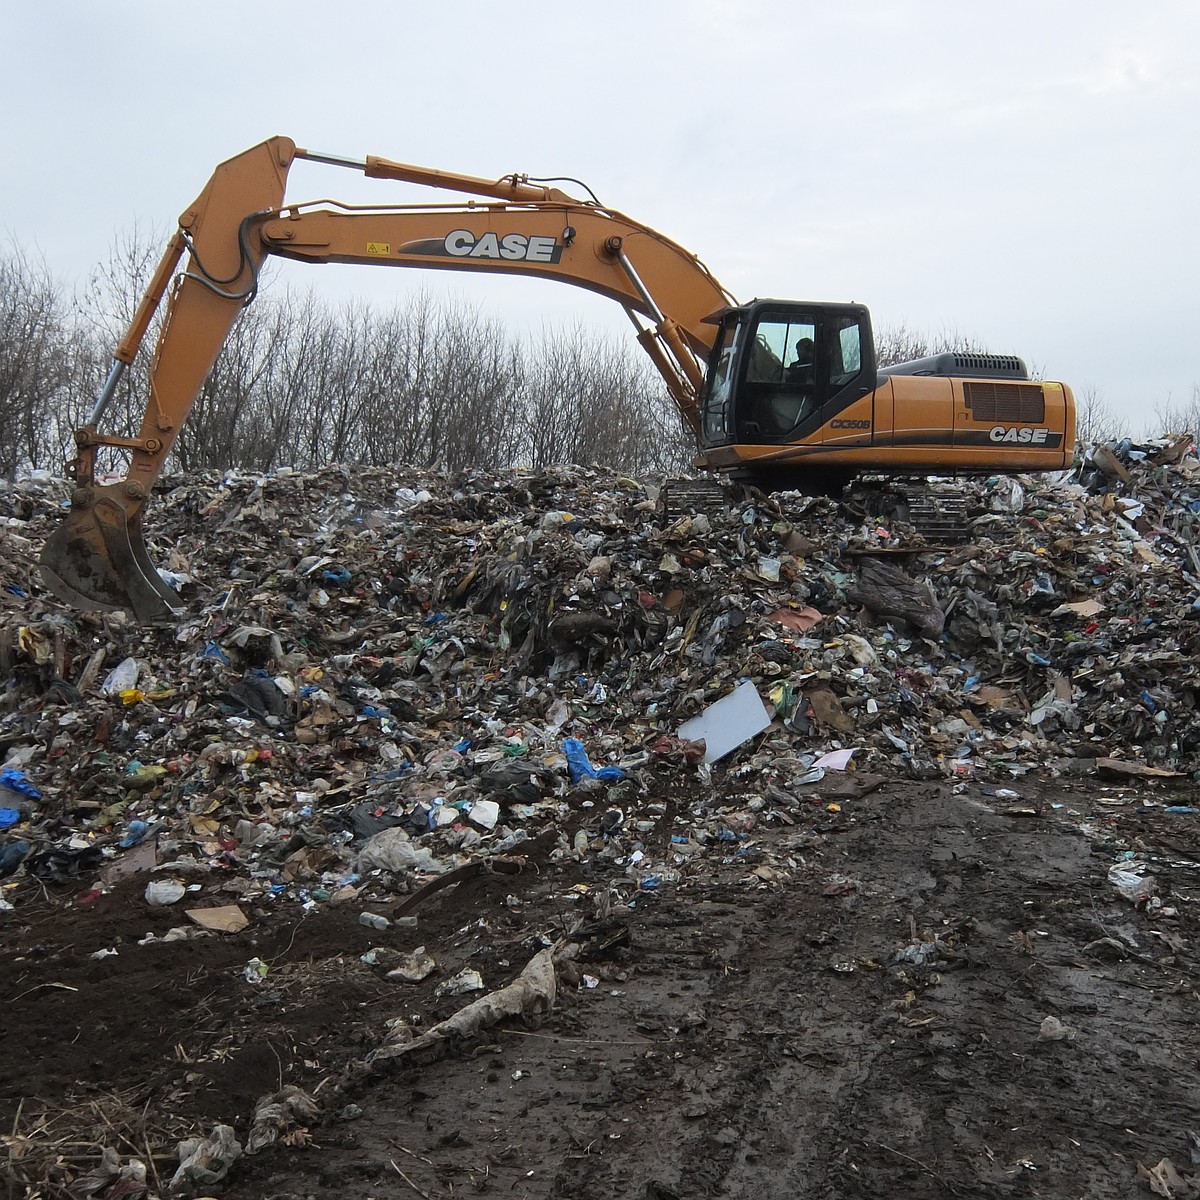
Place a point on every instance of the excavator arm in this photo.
(97, 558)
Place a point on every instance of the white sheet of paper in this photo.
(835, 760)
(728, 723)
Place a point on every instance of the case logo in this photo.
(506, 247)
(1025, 435)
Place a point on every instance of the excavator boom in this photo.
(97, 558)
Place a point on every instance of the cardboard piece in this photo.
(143, 857)
(226, 918)
(1121, 768)
(828, 712)
(1081, 608)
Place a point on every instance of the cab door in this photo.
(883, 411)
(848, 410)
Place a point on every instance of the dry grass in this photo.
(52, 1148)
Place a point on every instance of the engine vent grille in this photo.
(989, 363)
(1019, 403)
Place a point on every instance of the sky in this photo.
(1024, 174)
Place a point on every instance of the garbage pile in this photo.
(384, 674)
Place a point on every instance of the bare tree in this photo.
(588, 400)
(1095, 420)
(898, 343)
(285, 406)
(386, 422)
(34, 365)
(1171, 418)
(484, 414)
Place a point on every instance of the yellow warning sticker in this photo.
(379, 247)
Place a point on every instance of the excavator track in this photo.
(939, 514)
(679, 496)
(937, 511)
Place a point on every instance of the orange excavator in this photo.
(779, 392)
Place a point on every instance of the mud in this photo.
(746, 1034)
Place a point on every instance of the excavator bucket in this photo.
(96, 559)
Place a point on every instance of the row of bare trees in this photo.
(41, 352)
(429, 383)
(299, 382)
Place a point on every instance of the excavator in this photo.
(780, 393)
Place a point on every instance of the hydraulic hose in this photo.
(246, 260)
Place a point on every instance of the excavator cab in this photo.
(780, 369)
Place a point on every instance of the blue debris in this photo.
(213, 651)
(13, 855)
(580, 766)
(134, 834)
(16, 781)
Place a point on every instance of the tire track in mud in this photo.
(757, 1094)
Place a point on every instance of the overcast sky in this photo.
(1025, 173)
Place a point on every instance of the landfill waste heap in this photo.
(397, 672)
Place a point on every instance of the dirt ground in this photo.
(746, 1034)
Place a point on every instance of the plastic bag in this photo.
(580, 766)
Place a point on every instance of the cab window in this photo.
(797, 363)
(848, 353)
(781, 347)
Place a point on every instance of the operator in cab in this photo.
(801, 368)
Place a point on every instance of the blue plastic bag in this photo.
(16, 781)
(134, 834)
(214, 651)
(580, 766)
